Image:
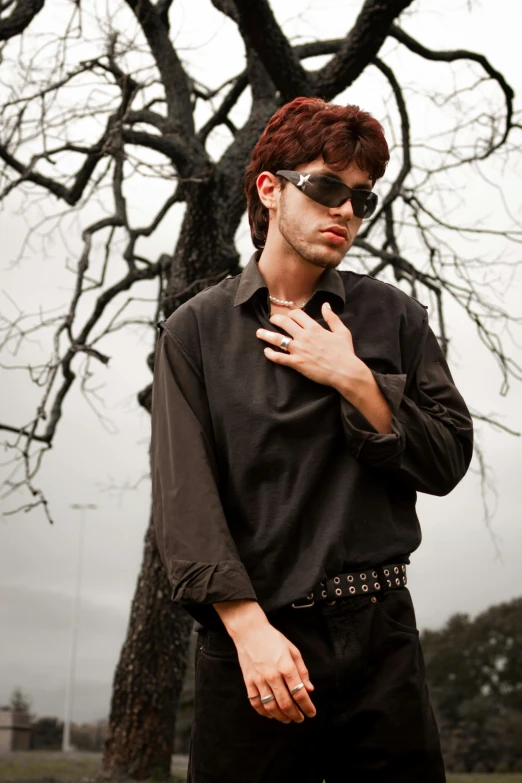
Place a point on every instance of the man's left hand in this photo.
(323, 356)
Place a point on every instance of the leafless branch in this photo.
(463, 54)
(20, 17)
(259, 27)
(175, 82)
(360, 46)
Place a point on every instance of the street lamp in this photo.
(69, 687)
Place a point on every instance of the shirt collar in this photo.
(251, 280)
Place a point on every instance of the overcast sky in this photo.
(456, 569)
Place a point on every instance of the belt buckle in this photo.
(304, 606)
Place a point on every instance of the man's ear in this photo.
(267, 187)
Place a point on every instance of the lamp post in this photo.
(69, 686)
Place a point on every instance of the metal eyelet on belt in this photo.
(352, 589)
(336, 580)
(350, 578)
(338, 591)
(365, 588)
(363, 575)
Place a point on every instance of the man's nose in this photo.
(345, 210)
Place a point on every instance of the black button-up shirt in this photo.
(265, 482)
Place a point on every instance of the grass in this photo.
(494, 778)
(34, 765)
(56, 767)
(53, 766)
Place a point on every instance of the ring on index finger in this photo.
(297, 688)
(285, 342)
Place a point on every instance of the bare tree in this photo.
(134, 116)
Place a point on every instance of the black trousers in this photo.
(374, 718)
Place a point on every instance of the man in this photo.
(296, 412)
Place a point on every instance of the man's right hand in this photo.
(270, 663)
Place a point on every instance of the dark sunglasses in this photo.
(331, 192)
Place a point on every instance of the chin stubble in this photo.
(304, 249)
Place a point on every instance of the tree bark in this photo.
(149, 676)
(205, 250)
(150, 672)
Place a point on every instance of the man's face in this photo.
(320, 235)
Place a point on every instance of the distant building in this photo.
(15, 730)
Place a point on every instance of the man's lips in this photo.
(335, 234)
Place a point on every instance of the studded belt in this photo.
(373, 580)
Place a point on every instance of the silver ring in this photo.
(266, 699)
(297, 688)
(285, 342)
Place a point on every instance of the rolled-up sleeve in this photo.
(192, 535)
(431, 443)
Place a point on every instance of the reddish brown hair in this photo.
(303, 130)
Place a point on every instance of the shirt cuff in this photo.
(208, 583)
(364, 441)
(392, 388)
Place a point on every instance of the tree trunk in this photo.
(150, 672)
(148, 677)
(205, 250)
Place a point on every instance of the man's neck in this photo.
(288, 276)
